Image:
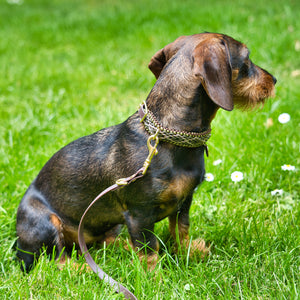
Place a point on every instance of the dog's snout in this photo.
(274, 79)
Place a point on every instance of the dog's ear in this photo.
(212, 67)
(161, 57)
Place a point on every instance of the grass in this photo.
(70, 68)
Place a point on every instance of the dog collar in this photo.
(173, 136)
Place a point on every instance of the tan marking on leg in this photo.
(59, 237)
(183, 230)
(55, 220)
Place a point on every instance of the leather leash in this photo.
(101, 274)
(120, 183)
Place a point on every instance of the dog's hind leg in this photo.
(37, 227)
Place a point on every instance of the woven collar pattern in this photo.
(173, 136)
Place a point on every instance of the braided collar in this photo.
(173, 136)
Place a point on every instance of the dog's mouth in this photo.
(252, 94)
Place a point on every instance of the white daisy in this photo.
(237, 176)
(284, 118)
(217, 162)
(188, 287)
(277, 192)
(209, 177)
(288, 168)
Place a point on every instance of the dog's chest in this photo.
(177, 181)
(174, 193)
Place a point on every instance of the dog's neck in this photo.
(179, 101)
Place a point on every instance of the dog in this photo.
(196, 76)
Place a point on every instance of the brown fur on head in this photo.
(223, 68)
(251, 93)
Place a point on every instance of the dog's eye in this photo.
(247, 69)
(244, 70)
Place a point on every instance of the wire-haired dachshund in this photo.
(196, 75)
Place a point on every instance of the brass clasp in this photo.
(152, 150)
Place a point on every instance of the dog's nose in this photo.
(274, 79)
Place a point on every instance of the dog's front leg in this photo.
(142, 237)
(179, 224)
(179, 221)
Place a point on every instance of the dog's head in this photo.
(222, 66)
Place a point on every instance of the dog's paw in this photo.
(152, 260)
(198, 248)
(74, 266)
(148, 261)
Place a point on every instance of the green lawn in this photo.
(69, 68)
